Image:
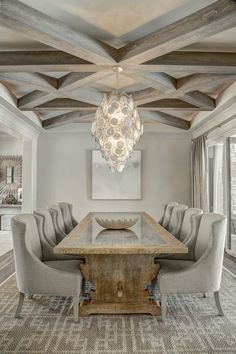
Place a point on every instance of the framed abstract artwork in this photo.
(108, 185)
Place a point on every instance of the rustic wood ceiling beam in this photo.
(85, 116)
(177, 61)
(47, 87)
(46, 61)
(199, 99)
(34, 80)
(196, 81)
(67, 118)
(73, 81)
(166, 119)
(36, 98)
(213, 19)
(190, 83)
(171, 104)
(165, 86)
(196, 98)
(197, 62)
(58, 104)
(158, 81)
(45, 29)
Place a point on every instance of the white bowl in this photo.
(116, 224)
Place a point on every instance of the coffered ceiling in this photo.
(57, 57)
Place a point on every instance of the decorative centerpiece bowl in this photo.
(10, 199)
(116, 224)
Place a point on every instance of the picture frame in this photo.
(116, 186)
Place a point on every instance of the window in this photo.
(222, 185)
(216, 178)
(231, 187)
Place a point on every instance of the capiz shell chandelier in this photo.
(117, 128)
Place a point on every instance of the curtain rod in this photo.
(216, 127)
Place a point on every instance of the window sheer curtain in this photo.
(218, 180)
(200, 174)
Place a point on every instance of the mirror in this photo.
(10, 174)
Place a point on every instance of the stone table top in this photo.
(145, 237)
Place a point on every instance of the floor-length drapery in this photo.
(199, 174)
(218, 180)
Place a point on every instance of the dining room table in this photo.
(121, 264)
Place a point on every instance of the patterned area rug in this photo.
(47, 326)
(7, 266)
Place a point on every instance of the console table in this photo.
(7, 211)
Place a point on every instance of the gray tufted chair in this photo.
(201, 275)
(164, 221)
(48, 236)
(176, 219)
(188, 234)
(58, 222)
(69, 220)
(35, 276)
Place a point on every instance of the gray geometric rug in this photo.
(7, 265)
(47, 326)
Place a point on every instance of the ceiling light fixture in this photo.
(117, 127)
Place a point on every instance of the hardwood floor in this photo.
(5, 242)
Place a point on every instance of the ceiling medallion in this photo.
(117, 127)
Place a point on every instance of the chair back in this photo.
(57, 217)
(176, 219)
(45, 226)
(66, 209)
(27, 248)
(212, 228)
(190, 224)
(209, 248)
(167, 214)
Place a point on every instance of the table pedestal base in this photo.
(120, 282)
(125, 309)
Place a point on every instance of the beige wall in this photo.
(10, 146)
(64, 172)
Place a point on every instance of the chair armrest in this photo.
(51, 281)
(200, 277)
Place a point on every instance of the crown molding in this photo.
(13, 121)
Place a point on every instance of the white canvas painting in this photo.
(108, 185)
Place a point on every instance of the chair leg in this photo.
(19, 306)
(76, 308)
(218, 304)
(31, 296)
(163, 307)
(204, 295)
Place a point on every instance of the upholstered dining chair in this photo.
(48, 237)
(201, 275)
(58, 221)
(69, 220)
(164, 221)
(46, 233)
(176, 219)
(34, 276)
(188, 234)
